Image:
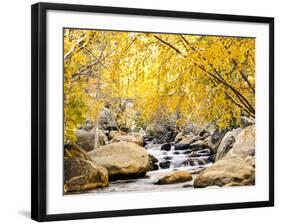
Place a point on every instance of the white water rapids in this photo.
(170, 161)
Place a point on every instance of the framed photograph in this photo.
(139, 111)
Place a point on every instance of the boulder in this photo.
(187, 151)
(128, 138)
(204, 152)
(166, 147)
(251, 160)
(213, 141)
(123, 160)
(189, 139)
(165, 165)
(175, 177)
(212, 158)
(168, 157)
(232, 184)
(86, 139)
(181, 146)
(204, 133)
(236, 167)
(192, 161)
(115, 133)
(180, 136)
(192, 154)
(247, 121)
(227, 143)
(80, 174)
(152, 163)
(244, 145)
(198, 145)
(226, 171)
(73, 150)
(249, 181)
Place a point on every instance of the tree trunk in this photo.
(96, 142)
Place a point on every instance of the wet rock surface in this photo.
(175, 177)
(80, 175)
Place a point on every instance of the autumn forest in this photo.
(170, 100)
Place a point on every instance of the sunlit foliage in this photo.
(145, 75)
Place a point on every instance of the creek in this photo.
(168, 161)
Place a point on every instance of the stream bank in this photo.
(123, 164)
(174, 160)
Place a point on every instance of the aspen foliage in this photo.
(144, 76)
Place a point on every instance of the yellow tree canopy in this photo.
(200, 78)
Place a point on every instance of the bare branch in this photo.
(218, 76)
(247, 81)
(243, 100)
(171, 46)
(81, 43)
(78, 42)
(233, 100)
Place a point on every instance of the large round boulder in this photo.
(178, 176)
(80, 174)
(128, 138)
(226, 171)
(86, 139)
(122, 159)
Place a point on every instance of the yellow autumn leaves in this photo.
(146, 76)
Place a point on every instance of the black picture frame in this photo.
(39, 121)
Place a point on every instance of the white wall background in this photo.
(15, 110)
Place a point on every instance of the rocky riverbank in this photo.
(126, 162)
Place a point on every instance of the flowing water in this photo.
(168, 161)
